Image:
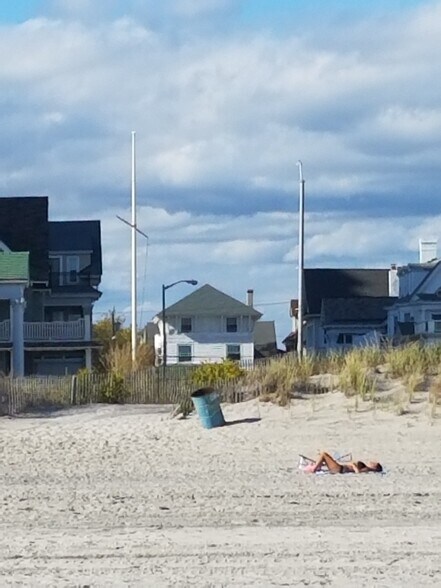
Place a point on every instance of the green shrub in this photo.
(209, 374)
(113, 390)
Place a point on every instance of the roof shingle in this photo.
(14, 266)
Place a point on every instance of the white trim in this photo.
(4, 248)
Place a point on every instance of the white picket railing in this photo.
(55, 331)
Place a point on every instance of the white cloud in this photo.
(221, 120)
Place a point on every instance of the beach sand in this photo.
(126, 496)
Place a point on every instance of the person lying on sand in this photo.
(354, 467)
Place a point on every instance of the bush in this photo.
(114, 391)
(209, 374)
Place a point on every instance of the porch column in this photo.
(88, 358)
(17, 325)
(87, 327)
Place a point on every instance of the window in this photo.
(186, 324)
(184, 353)
(231, 324)
(72, 269)
(233, 352)
(436, 323)
(344, 339)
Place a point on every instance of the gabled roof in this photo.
(14, 267)
(210, 301)
(77, 236)
(342, 283)
(431, 267)
(355, 310)
(24, 227)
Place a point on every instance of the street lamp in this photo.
(164, 330)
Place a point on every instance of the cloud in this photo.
(222, 114)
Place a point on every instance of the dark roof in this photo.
(14, 267)
(342, 283)
(355, 310)
(209, 301)
(431, 266)
(77, 236)
(429, 297)
(24, 227)
(265, 342)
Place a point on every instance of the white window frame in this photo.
(187, 318)
(180, 357)
(227, 354)
(72, 270)
(236, 324)
(436, 318)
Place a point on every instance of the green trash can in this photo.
(207, 404)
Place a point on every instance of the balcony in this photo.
(48, 331)
(72, 279)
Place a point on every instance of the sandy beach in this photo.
(126, 496)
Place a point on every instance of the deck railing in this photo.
(54, 331)
(47, 331)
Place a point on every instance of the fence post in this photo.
(73, 390)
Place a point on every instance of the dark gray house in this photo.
(343, 308)
(47, 294)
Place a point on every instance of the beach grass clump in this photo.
(118, 359)
(371, 356)
(414, 358)
(435, 396)
(355, 378)
(331, 363)
(274, 380)
(413, 382)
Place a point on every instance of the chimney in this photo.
(250, 297)
(428, 250)
(393, 280)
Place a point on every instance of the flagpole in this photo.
(134, 229)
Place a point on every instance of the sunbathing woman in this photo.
(355, 467)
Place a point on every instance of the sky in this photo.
(225, 97)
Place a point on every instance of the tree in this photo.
(115, 355)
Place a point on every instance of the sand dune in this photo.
(126, 496)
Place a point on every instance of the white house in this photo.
(207, 326)
(417, 311)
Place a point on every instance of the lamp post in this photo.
(301, 260)
(164, 330)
